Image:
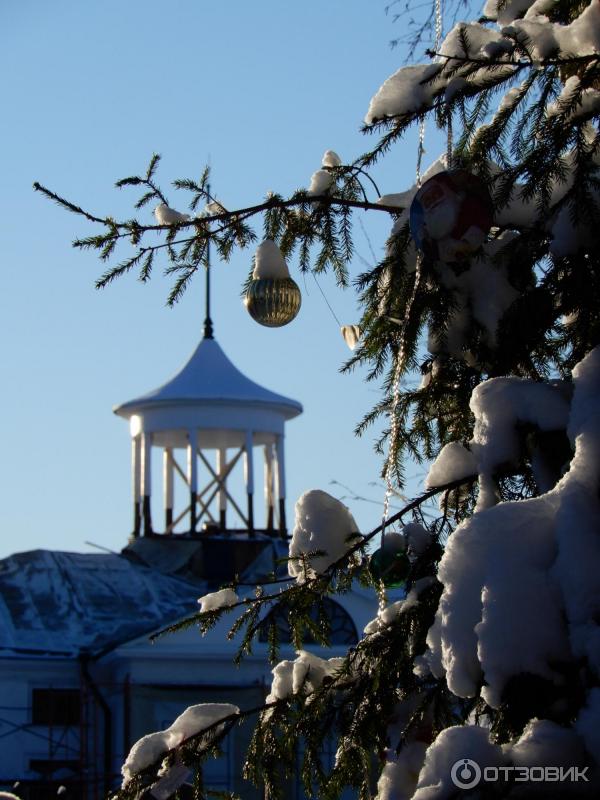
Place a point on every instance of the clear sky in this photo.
(89, 91)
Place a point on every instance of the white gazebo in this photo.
(207, 419)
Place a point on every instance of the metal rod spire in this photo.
(208, 326)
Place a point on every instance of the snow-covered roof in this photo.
(207, 378)
(56, 603)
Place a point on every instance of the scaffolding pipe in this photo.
(84, 659)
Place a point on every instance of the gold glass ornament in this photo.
(273, 301)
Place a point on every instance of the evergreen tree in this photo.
(494, 654)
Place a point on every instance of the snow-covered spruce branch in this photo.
(299, 199)
(316, 585)
(202, 741)
(343, 683)
(230, 220)
(228, 228)
(530, 62)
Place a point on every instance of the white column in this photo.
(146, 469)
(168, 487)
(280, 455)
(136, 482)
(192, 474)
(249, 478)
(222, 494)
(269, 485)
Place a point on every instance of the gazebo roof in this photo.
(209, 378)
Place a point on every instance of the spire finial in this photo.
(208, 326)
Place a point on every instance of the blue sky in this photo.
(90, 90)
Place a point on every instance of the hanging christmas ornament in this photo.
(390, 564)
(273, 299)
(451, 215)
(351, 334)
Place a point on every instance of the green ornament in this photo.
(390, 566)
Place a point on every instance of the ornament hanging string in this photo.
(326, 300)
(401, 353)
(449, 143)
(420, 150)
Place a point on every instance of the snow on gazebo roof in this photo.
(208, 378)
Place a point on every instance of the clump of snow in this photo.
(455, 87)
(475, 36)
(577, 519)
(490, 291)
(283, 681)
(394, 542)
(586, 101)
(453, 462)
(8, 796)
(409, 89)
(498, 405)
(387, 615)
(168, 216)
(415, 88)
(216, 600)
(320, 183)
(454, 744)
(146, 751)
(331, 159)
(305, 674)
(543, 743)
(508, 12)
(398, 778)
(269, 262)
(398, 199)
(214, 207)
(482, 293)
(520, 213)
(171, 776)
(544, 39)
(150, 748)
(508, 99)
(418, 538)
(322, 523)
(534, 560)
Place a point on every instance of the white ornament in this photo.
(351, 334)
(168, 216)
(331, 159)
(320, 182)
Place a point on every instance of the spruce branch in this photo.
(317, 585)
(61, 201)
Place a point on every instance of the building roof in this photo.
(56, 603)
(209, 377)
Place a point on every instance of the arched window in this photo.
(342, 628)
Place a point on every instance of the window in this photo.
(55, 707)
(343, 630)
